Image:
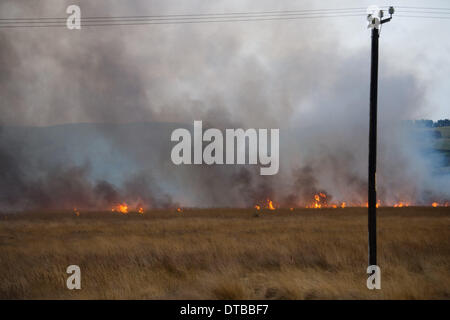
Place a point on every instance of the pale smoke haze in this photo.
(132, 86)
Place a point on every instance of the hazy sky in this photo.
(419, 44)
(263, 70)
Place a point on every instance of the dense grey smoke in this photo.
(87, 115)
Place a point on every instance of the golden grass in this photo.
(225, 254)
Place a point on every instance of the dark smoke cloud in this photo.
(134, 85)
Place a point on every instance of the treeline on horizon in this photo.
(424, 123)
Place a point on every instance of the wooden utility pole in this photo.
(372, 196)
(375, 23)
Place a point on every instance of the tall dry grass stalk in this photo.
(225, 254)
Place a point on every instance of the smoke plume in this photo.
(86, 116)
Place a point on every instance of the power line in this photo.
(114, 23)
(423, 12)
(157, 18)
(421, 8)
(425, 17)
(137, 20)
(281, 12)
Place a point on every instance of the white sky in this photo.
(422, 43)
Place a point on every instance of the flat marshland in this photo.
(225, 254)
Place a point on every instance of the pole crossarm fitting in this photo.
(375, 16)
(386, 20)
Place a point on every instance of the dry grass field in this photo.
(225, 254)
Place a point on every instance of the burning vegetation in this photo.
(30, 181)
(318, 201)
(267, 204)
(124, 208)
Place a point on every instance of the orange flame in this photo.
(270, 205)
(401, 204)
(121, 207)
(320, 200)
